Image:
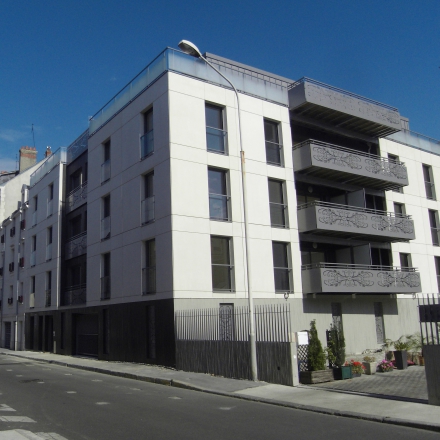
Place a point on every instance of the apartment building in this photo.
(146, 214)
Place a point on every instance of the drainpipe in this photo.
(17, 286)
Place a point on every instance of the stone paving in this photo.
(409, 385)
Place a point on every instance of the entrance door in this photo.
(8, 330)
(87, 335)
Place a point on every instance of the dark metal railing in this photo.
(358, 267)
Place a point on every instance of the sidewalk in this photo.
(318, 399)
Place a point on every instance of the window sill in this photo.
(223, 291)
(146, 157)
(221, 153)
(148, 293)
(148, 223)
(220, 220)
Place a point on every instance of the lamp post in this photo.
(191, 49)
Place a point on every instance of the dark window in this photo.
(105, 221)
(105, 276)
(429, 182)
(278, 209)
(218, 194)
(274, 149)
(399, 209)
(437, 271)
(50, 191)
(281, 266)
(149, 276)
(405, 261)
(215, 133)
(221, 260)
(147, 140)
(147, 204)
(106, 163)
(380, 257)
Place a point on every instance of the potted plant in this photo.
(385, 366)
(315, 360)
(370, 365)
(357, 368)
(417, 341)
(402, 345)
(336, 352)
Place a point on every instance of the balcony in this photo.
(147, 210)
(73, 295)
(329, 161)
(76, 198)
(76, 246)
(351, 278)
(346, 221)
(316, 101)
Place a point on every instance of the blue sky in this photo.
(61, 61)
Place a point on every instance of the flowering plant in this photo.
(356, 367)
(385, 366)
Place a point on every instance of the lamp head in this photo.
(189, 48)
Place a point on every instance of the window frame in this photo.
(223, 129)
(278, 132)
(428, 173)
(288, 269)
(148, 201)
(227, 195)
(285, 211)
(230, 264)
(148, 134)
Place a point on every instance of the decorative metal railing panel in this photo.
(76, 198)
(312, 153)
(73, 295)
(350, 278)
(332, 217)
(76, 246)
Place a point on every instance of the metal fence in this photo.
(429, 316)
(216, 341)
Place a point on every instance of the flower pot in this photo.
(370, 367)
(320, 376)
(401, 359)
(341, 373)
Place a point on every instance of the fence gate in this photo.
(216, 341)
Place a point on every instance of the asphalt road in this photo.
(76, 404)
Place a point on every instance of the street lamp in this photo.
(191, 49)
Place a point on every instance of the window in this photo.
(278, 209)
(147, 140)
(48, 289)
(433, 220)
(105, 218)
(34, 214)
(33, 250)
(281, 266)
(399, 209)
(429, 182)
(437, 271)
(274, 149)
(215, 133)
(49, 244)
(105, 167)
(105, 276)
(32, 285)
(405, 261)
(149, 272)
(218, 194)
(393, 159)
(380, 328)
(147, 204)
(222, 267)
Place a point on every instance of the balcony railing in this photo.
(219, 207)
(77, 197)
(33, 258)
(278, 215)
(105, 171)
(148, 280)
(49, 208)
(147, 144)
(78, 146)
(73, 295)
(147, 210)
(105, 228)
(435, 234)
(216, 140)
(76, 246)
(49, 252)
(48, 297)
(322, 159)
(273, 153)
(355, 278)
(32, 300)
(34, 218)
(341, 220)
(105, 287)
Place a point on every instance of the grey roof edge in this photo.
(245, 66)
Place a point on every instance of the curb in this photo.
(187, 386)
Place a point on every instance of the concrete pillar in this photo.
(431, 353)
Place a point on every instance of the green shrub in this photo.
(316, 357)
(336, 346)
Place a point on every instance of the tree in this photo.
(336, 345)
(315, 357)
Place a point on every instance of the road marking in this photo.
(175, 398)
(67, 374)
(135, 389)
(96, 380)
(20, 419)
(40, 382)
(71, 392)
(226, 408)
(9, 370)
(102, 403)
(4, 407)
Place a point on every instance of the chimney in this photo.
(48, 151)
(28, 158)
